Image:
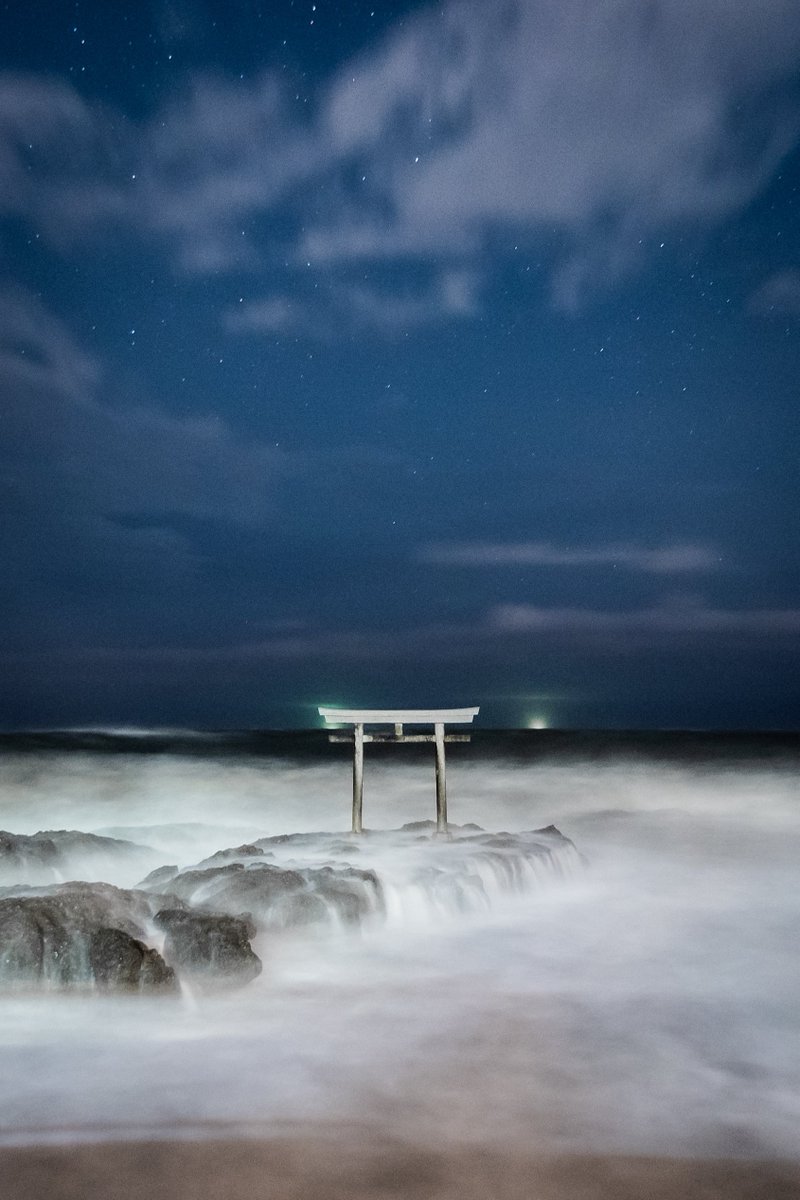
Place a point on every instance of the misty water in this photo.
(638, 993)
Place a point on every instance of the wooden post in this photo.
(441, 787)
(358, 776)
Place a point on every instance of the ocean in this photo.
(635, 992)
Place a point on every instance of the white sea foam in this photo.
(646, 1003)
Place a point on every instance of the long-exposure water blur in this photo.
(630, 987)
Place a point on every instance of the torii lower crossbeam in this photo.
(399, 717)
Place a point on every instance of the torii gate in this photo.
(438, 717)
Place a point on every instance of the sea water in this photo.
(640, 994)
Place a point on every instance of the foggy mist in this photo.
(636, 993)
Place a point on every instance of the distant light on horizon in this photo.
(538, 723)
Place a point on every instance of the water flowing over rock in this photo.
(280, 897)
(79, 935)
(418, 871)
(52, 855)
(92, 934)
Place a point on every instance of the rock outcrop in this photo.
(77, 935)
(209, 946)
(54, 854)
(279, 897)
(93, 935)
(197, 923)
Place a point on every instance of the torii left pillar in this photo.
(358, 777)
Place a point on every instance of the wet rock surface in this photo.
(209, 945)
(197, 923)
(76, 935)
(119, 962)
(93, 935)
(282, 896)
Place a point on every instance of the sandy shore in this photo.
(357, 1165)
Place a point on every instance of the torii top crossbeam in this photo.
(398, 716)
(438, 717)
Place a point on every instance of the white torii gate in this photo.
(438, 717)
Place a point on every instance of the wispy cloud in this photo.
(344, 307)
(778, 296)
(675, 559)
(472, 118)
(667, 619)
(675, 625)
(466, 121)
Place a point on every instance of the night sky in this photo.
(399, 354)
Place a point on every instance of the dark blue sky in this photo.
(400, 354)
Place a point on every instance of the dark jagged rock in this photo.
(96, 935)
(119, 962)
(209, 945)
(91, 904)
(79, 934)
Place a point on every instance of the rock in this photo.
(281, 896)
(158, 878)
(78, 935)
(209, 944)
(20, 853)
(233, 854)
(425, 826)
(246, 851)
(91, 904)
(428, 826)
(52, 854)
(120, 962)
